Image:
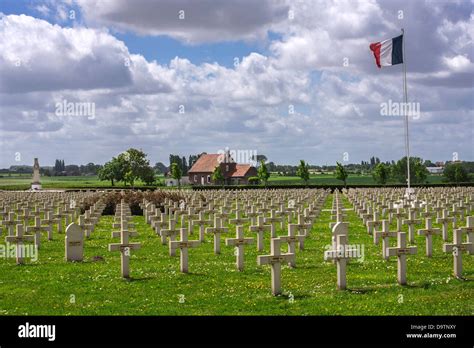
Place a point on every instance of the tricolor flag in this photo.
(388, 52)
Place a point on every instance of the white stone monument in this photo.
(36, 184)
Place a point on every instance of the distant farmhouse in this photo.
(438, 168)
(435, 170)
(234, 173)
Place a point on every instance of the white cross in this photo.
(171, 233)
(428, 232)
(411, 222)
(469, 229)
(158, 224)
(401, 251)
(385, 234)
(457, 247)
(291, 239)
(399, 215)
(124, 247)
(273, 219)
(19, 240)
(216, 231)
(444, 220)
(374, 223)
(10, 223)
(260, 228)
(201, 222)
(183, 245)
(275, 259)
(239, 243)
(36, 230)
(239, 220)
(340, 255)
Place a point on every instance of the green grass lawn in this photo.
(23, 182)
(214, 287)
(330, 179)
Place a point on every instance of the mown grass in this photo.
(23, 182)
(330, 179)
(214, 287)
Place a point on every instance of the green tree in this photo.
(253, 180)
(184, 165)
(421, 173)
(148, 176)
(418, 172)
(263, 173)
(303, 171)
(176, 172)
(112, 170)
(160, 168)
(381, 173)
(135, 165)
(128, 167)
(341, 173)
(217, 176)
(455, 172)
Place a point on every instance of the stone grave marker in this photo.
(428, 232)
(183, 246)
(275, 259)
(457, 247)
(124, 247)
(19, 239)
(74, 243)
(401, 251)
(239, 242)
(340, 255)
(385, 234)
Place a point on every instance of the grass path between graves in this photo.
(51, 286)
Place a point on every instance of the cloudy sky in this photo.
(288, 79)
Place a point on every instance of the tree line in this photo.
(132, 165)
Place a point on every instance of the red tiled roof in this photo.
(208, 162)
(205, 163)
(241, 170)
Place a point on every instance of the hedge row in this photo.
(132, 198)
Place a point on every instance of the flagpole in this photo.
(405, 97)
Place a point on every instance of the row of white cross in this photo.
(275, 259)
(342, 251)
(264, 216)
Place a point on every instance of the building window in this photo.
(195, 178)
(208, 179)
(227, 168)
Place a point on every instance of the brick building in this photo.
(234, 173)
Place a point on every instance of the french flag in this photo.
(388, 52)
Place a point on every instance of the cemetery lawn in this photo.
(51, 286)
(23, 182)
(330, 179)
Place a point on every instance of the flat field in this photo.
(23, 182)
